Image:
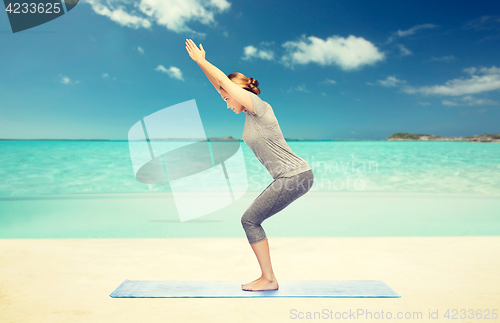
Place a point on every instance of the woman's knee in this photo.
(246, 220)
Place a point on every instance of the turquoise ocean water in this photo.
(46, 185)
(90, 167)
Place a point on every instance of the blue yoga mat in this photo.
(226, 289)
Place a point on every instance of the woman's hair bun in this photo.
(253, 85)
(248, 83)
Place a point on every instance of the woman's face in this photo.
(231, 103)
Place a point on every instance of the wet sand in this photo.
(69, 280)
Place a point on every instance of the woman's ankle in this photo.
(269, 277)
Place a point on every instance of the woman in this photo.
(293, 177)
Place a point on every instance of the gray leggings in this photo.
(279, 194)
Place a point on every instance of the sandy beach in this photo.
(69, 280)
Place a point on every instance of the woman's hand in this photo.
(202, 51)
(194, 52)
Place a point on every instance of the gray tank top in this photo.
(263, 135)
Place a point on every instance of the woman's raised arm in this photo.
(211, 79)
(238, 93)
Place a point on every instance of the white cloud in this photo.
(390, 81)
(424, 103)
(348, 53)
(449, 103)
(470, 70)
(481, 80)
(106, 75)
(67, 80)
(267, 43)
(328, 81)
(251, 52)
(473, 101)
(468, 101)
(140, 49)
(404, 51)
(118, 13)
(484, 23)
(172, 14)
(443, 59)
(411, 31)
(172, 71)
(299, 88)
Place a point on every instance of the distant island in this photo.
(403, 136)
(223, 138)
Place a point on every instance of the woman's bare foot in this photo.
(261, 283)
(244, 285)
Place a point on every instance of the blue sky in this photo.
(330, 69)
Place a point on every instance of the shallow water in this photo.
(59, 189)
(316, 214)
